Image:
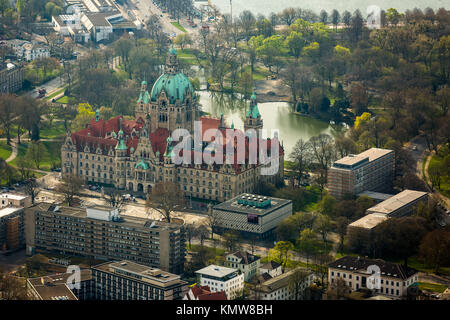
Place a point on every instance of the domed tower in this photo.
(171, 103)
(253, 119)
(120, 159)
(142, 102)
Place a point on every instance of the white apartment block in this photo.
(394, 278)
(219, 278)
(245, 262)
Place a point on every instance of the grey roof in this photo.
(216, 271)
(389, 269)
(98, 19)
(397, 201)
(281, 281)
(369, 155)
(246, 258)
(369, 221)
(271, 265)
(232, 205)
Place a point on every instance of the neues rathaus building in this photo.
(136, 154)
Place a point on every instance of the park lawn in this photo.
(259, 73)
(63, 99)
(5, 150)
(53, 156)
(178, 26)
(56, 130)
(21, 152)
(445, 181)
(433, 287)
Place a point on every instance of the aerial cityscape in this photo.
(224, 150)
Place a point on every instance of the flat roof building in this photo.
(399, 205)
(371, 170)
(53, 286)
(127, 280)
(220, 278)
(101, 233)
(251, 214)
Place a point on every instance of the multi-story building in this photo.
(136, 154)
(394, 279)
(28, 50)
(126, 280)
(251, 215)
(56, 287)
(278, 288)
(220, 278)
(245, 262)
(101, 233)
(371, 170)
(11, 229)
(399, 205)
(11, 77)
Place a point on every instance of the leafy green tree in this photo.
(308, 244)
(281, 252)
(37, 152)
(322, 225)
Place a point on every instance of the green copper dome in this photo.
(175, 86)
(121, 145)
(173, 51)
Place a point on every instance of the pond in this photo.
(275, 115)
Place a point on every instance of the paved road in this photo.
(51, 86)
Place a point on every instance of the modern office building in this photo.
(56, 287)
(245, 262)
(100, 232)
(220, 278)
(394, 279)
(251, 215)
(278, 288)
(371, 170)
(126, 280)
(399, 205)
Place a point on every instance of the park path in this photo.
(427, 178)
(13, 153)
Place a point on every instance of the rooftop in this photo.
(389, 269)
(375, 195)
(140, 272)
(233, 204)
(246, 258)
(216, 271)
(276, 283)
(369, 155)
(397, 201)
(13, 196)
(369, 221)
(7, 211)
(271, 265)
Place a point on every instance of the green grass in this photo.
(433, 287)
(258, 74)
(178, 26)
(63, 99)
(438, 159)
(53, 156)
(56, 130)
(5, 150)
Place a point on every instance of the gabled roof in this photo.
(271, 265)
(246, 258)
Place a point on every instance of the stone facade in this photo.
(136, 154)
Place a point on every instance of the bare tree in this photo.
(115, 199)
(165, 197)
(32, 188)
(213, 220)
(297, 283)
(70, 187)
(300, 155)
